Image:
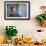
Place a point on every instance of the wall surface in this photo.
(25, 27)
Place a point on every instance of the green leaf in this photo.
(40, 18)
(45, 16)
(11, 31)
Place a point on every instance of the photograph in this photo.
(16, 10)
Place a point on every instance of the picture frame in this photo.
(16, 10)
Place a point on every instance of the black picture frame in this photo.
(16, 2)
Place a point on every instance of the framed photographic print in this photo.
(16, 10)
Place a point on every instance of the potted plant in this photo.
(42, 17)
(11, 31)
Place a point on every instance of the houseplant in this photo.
(11, 31)
(42, 19)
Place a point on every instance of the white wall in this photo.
(25, 27)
